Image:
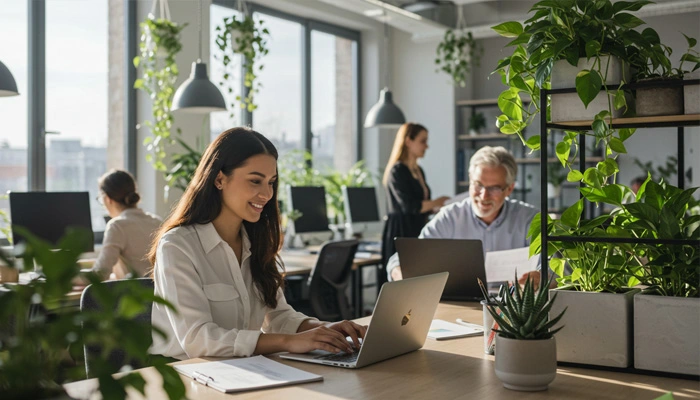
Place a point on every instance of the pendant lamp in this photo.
(385, 113)
(8, 86)
(197, 94)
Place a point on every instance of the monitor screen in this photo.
(311, 202)
(361, 204)
(48, 214)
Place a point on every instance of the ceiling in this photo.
(432, 17)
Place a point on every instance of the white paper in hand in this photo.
(502, 265)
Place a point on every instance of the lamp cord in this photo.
(386, 49)
(199, 26)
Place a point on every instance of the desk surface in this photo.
(450, 369)
(298, 263)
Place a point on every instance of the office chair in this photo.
(329, 281)
(89, 302)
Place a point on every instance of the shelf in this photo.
(482, 102)
(661, 121)
(554, 160)
(486, 136)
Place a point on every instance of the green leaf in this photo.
(617, 145)
(574, 176)
(563, 149)
(628, 21)
(619, 100)
(625, 133)
(572, 215)
(592, 48)
(510, 104)
(533, 142)
(588, 84)
(509, 29)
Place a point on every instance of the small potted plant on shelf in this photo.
(651, 64)
(476, 123)
(526, 350)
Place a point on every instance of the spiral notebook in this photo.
(241, 374)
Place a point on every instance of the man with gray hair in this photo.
(487, 214)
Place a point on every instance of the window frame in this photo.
(310, 25)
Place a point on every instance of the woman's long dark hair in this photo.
(201, 203)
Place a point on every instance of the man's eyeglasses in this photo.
(492, 190)
(100, 199)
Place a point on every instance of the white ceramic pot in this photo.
(526, 365)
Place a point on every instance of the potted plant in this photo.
(160, 42)
(244, 36)
(671, 273)
(476, 123)
(456, 54)
(600, 276)
(526, 355)
(650, 59)
(37, 348)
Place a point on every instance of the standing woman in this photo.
(128, 233)
(407, 191)
(216, 260)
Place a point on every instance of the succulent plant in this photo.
(522, 313)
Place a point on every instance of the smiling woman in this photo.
(216, 260)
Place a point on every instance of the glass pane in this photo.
(278, 115)
(222, 120)
(333, 101)
(13, 110)
(77, 75)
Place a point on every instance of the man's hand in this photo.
(396, 273)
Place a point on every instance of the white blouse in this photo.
(126, 243)
(219, 310)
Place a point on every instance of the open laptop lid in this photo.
(401, 318)
(462, 258)
(400, 322)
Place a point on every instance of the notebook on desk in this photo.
(462, 258)
(400, 324)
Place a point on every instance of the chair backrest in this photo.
(89, 302)
(330, 278)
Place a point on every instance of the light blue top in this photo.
(458, 221)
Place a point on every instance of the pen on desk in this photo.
(202, 378)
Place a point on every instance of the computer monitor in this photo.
(313, 223)
(362, 212)
(47, 215)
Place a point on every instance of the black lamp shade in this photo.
(197, 94)
(8, 86)
(385, 113)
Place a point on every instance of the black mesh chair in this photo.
(89, 302)
(329, 281)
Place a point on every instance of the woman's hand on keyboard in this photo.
(349, 328)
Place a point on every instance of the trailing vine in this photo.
(456, 54)
(242, 35)
(160, 42)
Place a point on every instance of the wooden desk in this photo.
(450, 369)
(298, 263)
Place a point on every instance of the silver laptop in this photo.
(400, 324)
(462, 258)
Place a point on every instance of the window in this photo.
(279, 101)
(333, 101)
(222, 120)
(76, 98)
(78, 80)
(309, 97)
(13, 110)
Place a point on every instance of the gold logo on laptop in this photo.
(406, 318)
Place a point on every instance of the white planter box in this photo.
(568, 106)
(597, 327)
(691, 94)
(667, 334)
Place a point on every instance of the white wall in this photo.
(428, 98)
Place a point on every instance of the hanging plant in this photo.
(160, 42)
(242, 35)
(456, 54)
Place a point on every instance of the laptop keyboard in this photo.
(340, 357)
